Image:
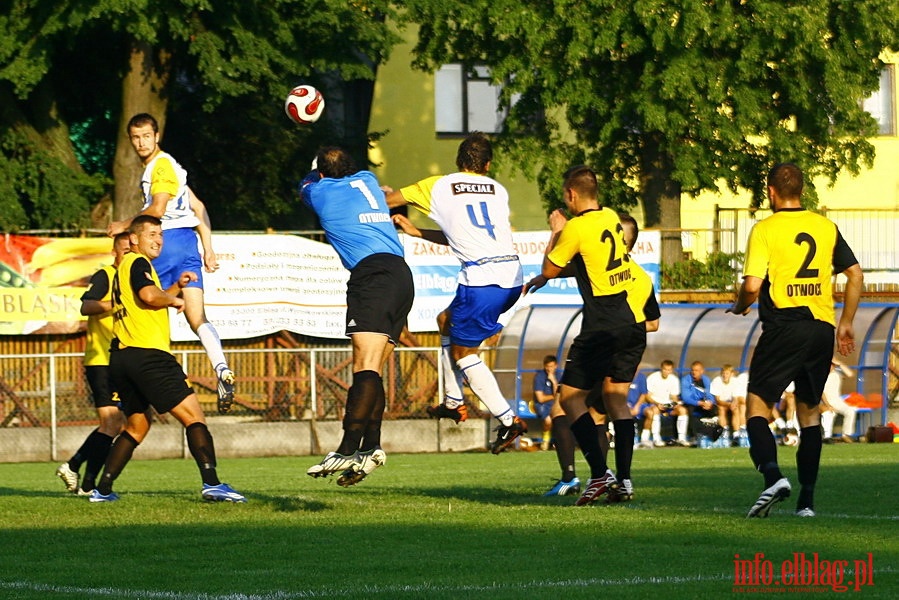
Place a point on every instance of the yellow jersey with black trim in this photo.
(593, 242)
(99, 327)
(135, 324)
(796, 253)
(642, 298)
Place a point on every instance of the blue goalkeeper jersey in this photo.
(353, 212)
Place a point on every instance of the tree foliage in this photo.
(217, 70)
(665, 98)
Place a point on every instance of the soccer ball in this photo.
(304, 104)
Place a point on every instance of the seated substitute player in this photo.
(353, 212)
(664, 393)
(472, 211)
(612, 339)
(695, 393)
(545, 384)
(144, 372)
(726, 388)
(96, 305)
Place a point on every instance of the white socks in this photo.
(483, 384)
(452, 376)
(209, 337)
(682, 422)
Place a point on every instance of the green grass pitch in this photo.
(468, 525)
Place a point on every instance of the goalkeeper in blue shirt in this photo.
(353, 212)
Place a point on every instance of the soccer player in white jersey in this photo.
(472, 211)
(168, 198)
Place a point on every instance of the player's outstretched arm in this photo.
(431, 235)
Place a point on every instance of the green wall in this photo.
(403, 108)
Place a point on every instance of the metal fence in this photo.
(870, 232)
(274, 384)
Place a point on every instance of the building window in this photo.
(881, 104)
(466, 101)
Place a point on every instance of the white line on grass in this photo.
(356, 591)
(775, 512)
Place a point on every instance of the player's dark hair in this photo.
(667, 363)
(548, 359)
(474, 153)
(786, 178)
(631, 229)
(581, 179)
(138, 222)
(335, 162)
(141, 119)
(120, 236)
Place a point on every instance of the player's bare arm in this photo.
(432, 235)
(550, 270)
(394, 197)
(845, 331)
(95, 307)
(154, 297)
(749, 293)
(204, 230)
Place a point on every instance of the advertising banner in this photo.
(265, 283)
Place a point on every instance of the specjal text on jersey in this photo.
(472, 188)
(619, 277)
(803, 289)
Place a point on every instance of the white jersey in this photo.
(661, 389)
(164, 174)
(473, 212)
(727, 391)
(742, 384)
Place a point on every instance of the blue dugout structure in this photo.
(690, 332)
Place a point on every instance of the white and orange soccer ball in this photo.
(304, 104)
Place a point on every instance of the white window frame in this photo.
(882, 104)
(465, 101)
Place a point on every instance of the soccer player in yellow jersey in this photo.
(791, 259)
(184, 217)
(612, 339)
(643, 302)
(96, 305)
(143, 370)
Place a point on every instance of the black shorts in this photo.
(145, 377)
(98, 380)
(797, 351)
(597, 354)
(379, 296)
